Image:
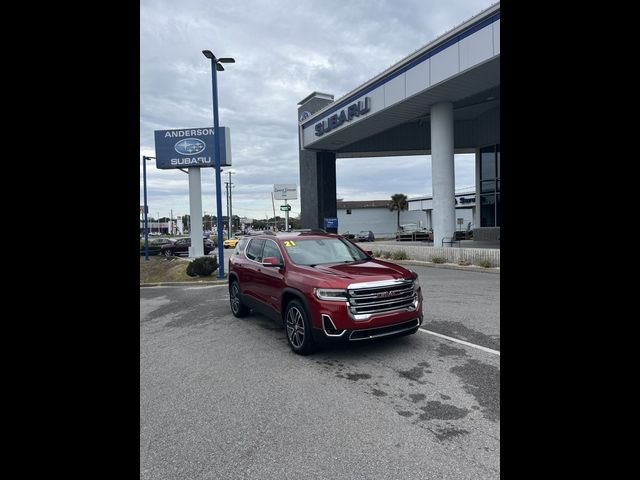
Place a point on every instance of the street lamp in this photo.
(146, 228)
(215, 67)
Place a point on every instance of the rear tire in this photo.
(298, 328)
(168, 253)
(238, 308)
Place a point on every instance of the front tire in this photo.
(298, 328)
(238, 308)
(168, 253)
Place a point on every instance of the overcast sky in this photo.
(284, 50)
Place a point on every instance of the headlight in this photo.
(331, 294)
(416, 283)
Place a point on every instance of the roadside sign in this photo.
(287, 191)
(460, 221)
(285, 208)
(191, 147)
(330, 223)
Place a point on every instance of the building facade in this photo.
(441, 100)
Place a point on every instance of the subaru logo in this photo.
(190, 146)
(304, 115)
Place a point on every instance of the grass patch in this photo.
(400, 255)
(485, 263)
(464, 263)
(160, 269)
(438, 259)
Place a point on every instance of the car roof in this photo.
(306, 234)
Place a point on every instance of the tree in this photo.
(398, 203)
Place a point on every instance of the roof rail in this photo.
(317, 230)
(260, 232)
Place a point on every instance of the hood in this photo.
(367, 271)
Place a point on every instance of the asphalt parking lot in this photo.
(226, 398)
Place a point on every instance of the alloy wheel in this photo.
(295, 327)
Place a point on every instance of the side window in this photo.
(254, 251)
(272, 250)
(240, 246)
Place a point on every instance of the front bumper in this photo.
(333, 321)
(323, 336)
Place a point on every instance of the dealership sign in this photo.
(285, 192)
(346, 115)
(191, 147)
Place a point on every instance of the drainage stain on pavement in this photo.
(440, 411)
(483, 382)
(414, 374)
(458, 330)
(416, 397)
(379, 393)
(445, 350)
(354, 376)
(448, 432)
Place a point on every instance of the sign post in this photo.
(285, 192)
(286, 207)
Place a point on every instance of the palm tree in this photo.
(398, 203)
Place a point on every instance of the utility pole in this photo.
(226, 184)
(229, 186)
(273, 203)
(230, 204)
(171, 224)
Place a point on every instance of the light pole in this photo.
(146, 227)
(215, 66)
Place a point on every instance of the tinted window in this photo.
(254, 252)
(325, 250)
(240, 246)
(272, 250)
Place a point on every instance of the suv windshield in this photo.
(322, 250)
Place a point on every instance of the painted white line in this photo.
(496, 352)
(207, 286)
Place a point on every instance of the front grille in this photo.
(375, 298)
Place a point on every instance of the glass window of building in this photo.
(490, 186)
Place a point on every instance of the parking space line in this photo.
(207, 286)
(496, 352)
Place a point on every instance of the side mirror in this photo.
(271, 262)
(369, 252)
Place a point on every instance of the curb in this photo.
(179, 284)
(449, 266)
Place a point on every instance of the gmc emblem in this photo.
(388, 294)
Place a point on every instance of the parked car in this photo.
(366, 236)
(181, 246)
(154, 245)
(232, 242)
(322, 288)
(349, 236)
(411, 232)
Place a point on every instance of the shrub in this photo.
(438, 259)
(485, 263)
(377, 253)
(202, 267)
(400, 255)
(464, 263)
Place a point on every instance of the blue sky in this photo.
(284, 50)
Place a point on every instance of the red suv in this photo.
(322, 288)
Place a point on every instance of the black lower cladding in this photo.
(370, 333)
(389, 330)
